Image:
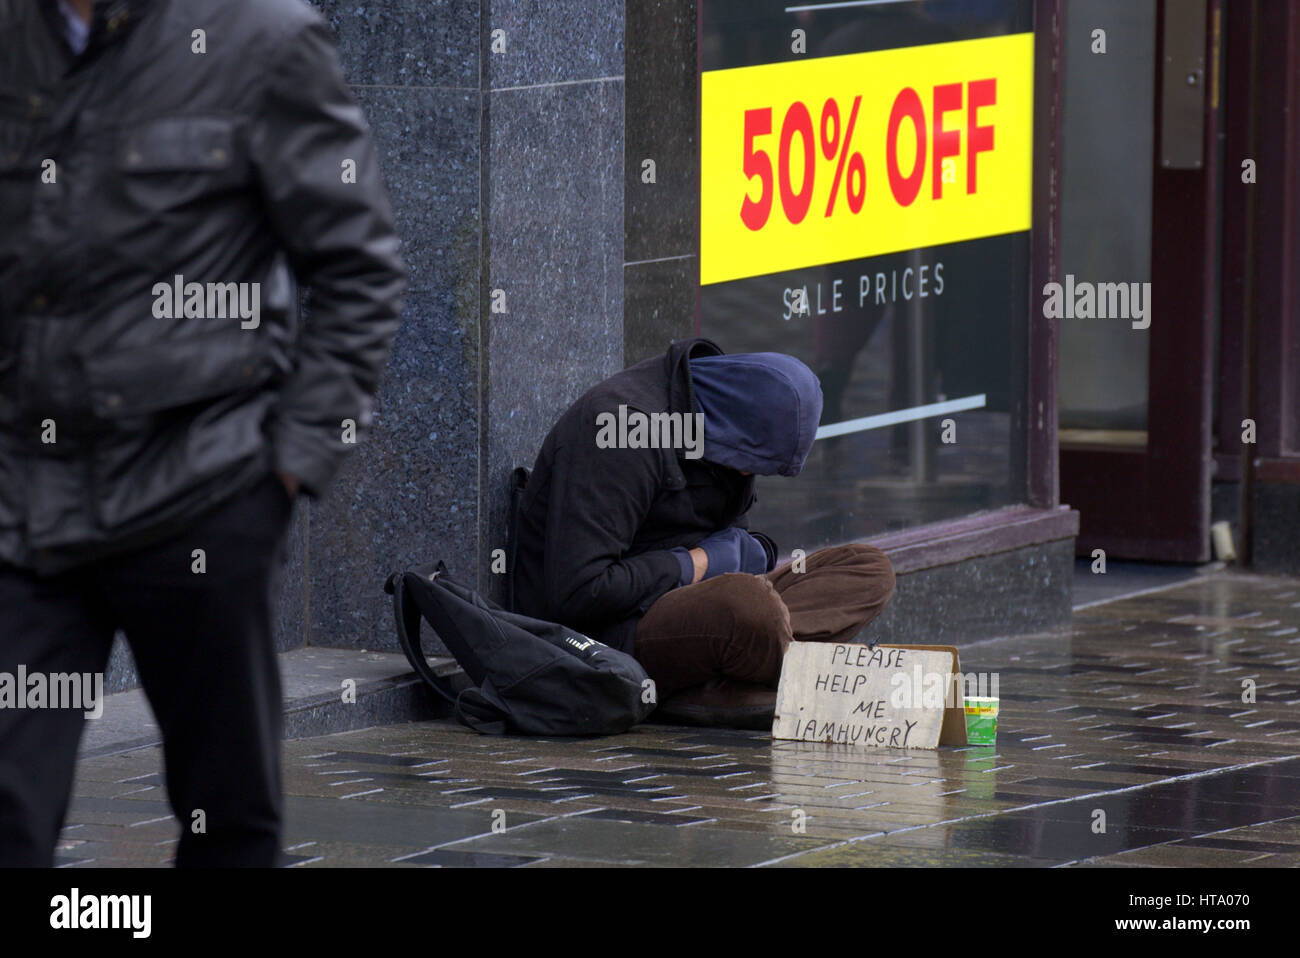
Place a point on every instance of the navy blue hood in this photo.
(760, 411)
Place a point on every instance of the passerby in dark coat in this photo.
(168, 169)
(646, 546)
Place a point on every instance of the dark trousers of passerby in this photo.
(738, 626)
(203, 644)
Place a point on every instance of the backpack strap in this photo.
(408, 617)
(471, 709)
(518, 482)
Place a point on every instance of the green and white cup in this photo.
(981, 720)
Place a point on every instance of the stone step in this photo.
(386, 692)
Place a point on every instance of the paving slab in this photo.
(383, 689)
(1156, 730)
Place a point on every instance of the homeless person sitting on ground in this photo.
(646, 549)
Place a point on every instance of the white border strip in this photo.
(840, 6)
(900, 415)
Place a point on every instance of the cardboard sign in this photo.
(890, 696)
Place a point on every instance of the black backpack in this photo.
(528, 676)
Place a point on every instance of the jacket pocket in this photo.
(171, 161)
(139, 381)
(177, 143)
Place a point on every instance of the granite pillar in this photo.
(553, 229)
(499, 125)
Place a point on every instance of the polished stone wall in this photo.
(1021, 590)
(553, 232)
(409, 494)
(1276, 546)
(661, 203)
(503, 154)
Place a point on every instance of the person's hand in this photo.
(733, 550)
(290, 483)
(699, 563)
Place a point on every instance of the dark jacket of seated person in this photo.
(604, 528)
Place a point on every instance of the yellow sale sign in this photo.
(845, 157)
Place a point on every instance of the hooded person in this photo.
(638, 535)
(760, 413)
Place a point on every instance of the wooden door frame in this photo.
(1154, 502)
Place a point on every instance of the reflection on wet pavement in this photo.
(1129, 738)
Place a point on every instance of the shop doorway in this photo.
(1139, 274)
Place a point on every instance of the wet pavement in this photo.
(1123, 740)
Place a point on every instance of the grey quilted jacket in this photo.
(159, 196)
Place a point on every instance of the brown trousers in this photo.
(738, 626)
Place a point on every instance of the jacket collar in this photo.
(110, 21)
